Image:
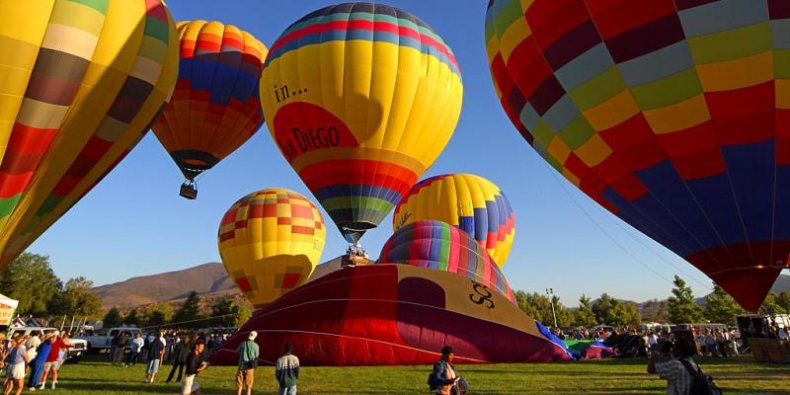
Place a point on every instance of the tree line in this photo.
(31, 280)
(41, 293)
(680, 307)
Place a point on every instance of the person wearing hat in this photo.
(447, 380)
(248, 360)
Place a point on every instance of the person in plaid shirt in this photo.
(666, 362)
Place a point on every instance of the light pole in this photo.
(550, 292)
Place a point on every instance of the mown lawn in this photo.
(612, 376)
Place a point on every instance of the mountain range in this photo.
(209, 280)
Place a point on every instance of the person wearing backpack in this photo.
(444, 380)
(673, 362)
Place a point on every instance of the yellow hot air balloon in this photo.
(470, 202)
(80, 83)
(215, 107)
(361, 99)
(270, 241)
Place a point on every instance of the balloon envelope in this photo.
(470, 202)
(80, 83)
(394, 315)
(270, 241)
(440, 246)
(672, 115)
(215, 107)
(361, 99)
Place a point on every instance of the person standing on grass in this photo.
(181, 353)
(15, 368)
(248, 361)
(156, 350)
(57, 344)
(447, 381)
(135, 346)
(37, 365)
(287, 371)
(194, 365)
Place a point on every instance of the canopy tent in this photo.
(7, 309)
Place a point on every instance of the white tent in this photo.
(7, 309)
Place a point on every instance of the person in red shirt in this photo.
(58, 344)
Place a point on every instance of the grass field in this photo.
(612, 376)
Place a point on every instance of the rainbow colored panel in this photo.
(216, 106)
(441, 246)
(674, 115)
(361, 99)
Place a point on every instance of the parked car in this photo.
(75, 352)
(99, 340)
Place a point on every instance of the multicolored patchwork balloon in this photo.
(441, 246)
(361, 99)
(80, 83)
(672, 114)
(215, 107)
(270, 241)
(470, 202)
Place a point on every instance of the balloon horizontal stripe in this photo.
(363, 30)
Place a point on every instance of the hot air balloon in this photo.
(80, 83)
(361, 99)
(441, 246)
(470, 202)
(673, 115)
(270, 241)
(215, 107)
(394, 315)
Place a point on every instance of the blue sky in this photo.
(134, 223)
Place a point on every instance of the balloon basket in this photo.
(188, 191)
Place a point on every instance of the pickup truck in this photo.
(99, 340)
(77, 349)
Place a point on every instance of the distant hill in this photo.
(208, 280)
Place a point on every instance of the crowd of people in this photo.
(187, 351)
(37, 356)
(709, 341)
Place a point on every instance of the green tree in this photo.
(770, 305)
(189, 312)
(584, 316)
(538, 307)
(602, 308)
(132, 318)
(721, 308)
(624, 313)
(30, 279)
(783, 301)
(245, 313)
(156, 318)
(112, 319)
(225, 311)
(682, 308)
(77, 298)
(655, 311)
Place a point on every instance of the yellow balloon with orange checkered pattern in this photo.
(270, 241)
